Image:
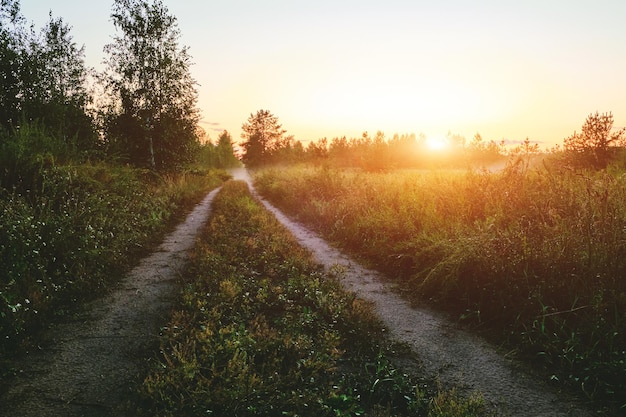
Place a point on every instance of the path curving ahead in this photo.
(90, 366)
(453, 356)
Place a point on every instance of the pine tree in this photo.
(594, 146)
(261, 133)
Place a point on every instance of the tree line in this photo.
(265, 142)
(141, 109)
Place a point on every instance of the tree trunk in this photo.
(152, 162)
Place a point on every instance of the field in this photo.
(533, 258)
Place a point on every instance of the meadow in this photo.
(534, 258)
(261, 330)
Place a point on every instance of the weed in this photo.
(534, 254)
(262, 331)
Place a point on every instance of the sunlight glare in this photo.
(436, 143)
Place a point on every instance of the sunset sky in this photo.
(326, 68)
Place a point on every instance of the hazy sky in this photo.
(327, 68)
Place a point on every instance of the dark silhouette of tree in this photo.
(215, 155)
(43, 99)
(63, 90)
(11, 53)
(154, 119)
(288, 150)
(376, 156)
(225, 152)
(43, 79)
(317, 151)
(595, 145)
(262, 134)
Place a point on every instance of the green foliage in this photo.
(261, 331)
(44, 79)
(153, 118)
(69, 236)
(447, 404)
(219, 155)
(29, 150)
(537, 254)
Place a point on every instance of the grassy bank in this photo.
(262, 331)
(538, 257)
(67, 232)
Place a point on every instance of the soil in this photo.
(91, 365)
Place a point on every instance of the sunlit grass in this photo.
(538, 256)
(261, 331)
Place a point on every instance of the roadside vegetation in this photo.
(262, 331)
(94, 167)
(66, 237)
(89, 180)
(532, 252)
(534, 256)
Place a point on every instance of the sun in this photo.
(437, 143)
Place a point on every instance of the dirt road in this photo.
(90, 366)
(455, 357)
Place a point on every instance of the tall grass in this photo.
(67, 233)
(261, 331)
(537, 255)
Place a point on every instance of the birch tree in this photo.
(155, 116)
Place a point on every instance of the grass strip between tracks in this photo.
(262, 331)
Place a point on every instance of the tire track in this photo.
(451, 355)
(91, 366)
